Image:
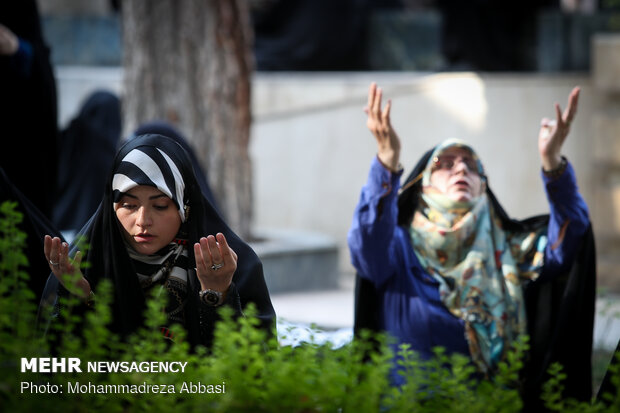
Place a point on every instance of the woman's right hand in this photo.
(57, 255)
(379, 124)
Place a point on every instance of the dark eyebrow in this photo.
(151, 197)
(124, 194)
(158, 196)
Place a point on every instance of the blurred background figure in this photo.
(487, 35)
(28, 108)
(309, 34)
(165, 128)
(86, 151)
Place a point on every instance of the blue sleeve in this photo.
(371, 235)
(568, 221)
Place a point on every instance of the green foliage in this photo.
(244, 371)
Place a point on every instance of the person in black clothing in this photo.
(155, 232)
(28, 108)
(483, 35)
(310, 35)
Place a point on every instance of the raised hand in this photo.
(216, 262)
(379, 124)
(57, 255)
(553, 133)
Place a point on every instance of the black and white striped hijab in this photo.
(110, 258)
(147, 165)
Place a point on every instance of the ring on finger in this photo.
(216, 267)
(54, 264)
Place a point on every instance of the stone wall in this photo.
(606, 157)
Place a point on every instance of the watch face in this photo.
(211, 298)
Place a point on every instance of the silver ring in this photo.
(54, 264)
(216, 267)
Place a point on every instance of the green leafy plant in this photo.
(244, 371)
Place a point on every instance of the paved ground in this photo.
(316, 316)
(331, 309)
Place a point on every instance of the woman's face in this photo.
(149, 218)
(455, 175)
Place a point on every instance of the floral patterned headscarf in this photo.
(479, 265)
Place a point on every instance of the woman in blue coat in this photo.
(440, 264)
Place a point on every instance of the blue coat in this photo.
(407, 297)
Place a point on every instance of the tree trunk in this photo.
(190, 62)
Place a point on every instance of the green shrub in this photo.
(243, 372)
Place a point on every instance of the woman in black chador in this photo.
(155, 230)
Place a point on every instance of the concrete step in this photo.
(297, 260)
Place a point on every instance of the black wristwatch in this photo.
(558, 171)
(211, 297)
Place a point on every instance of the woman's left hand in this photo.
(553, 133)
(216, 262)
